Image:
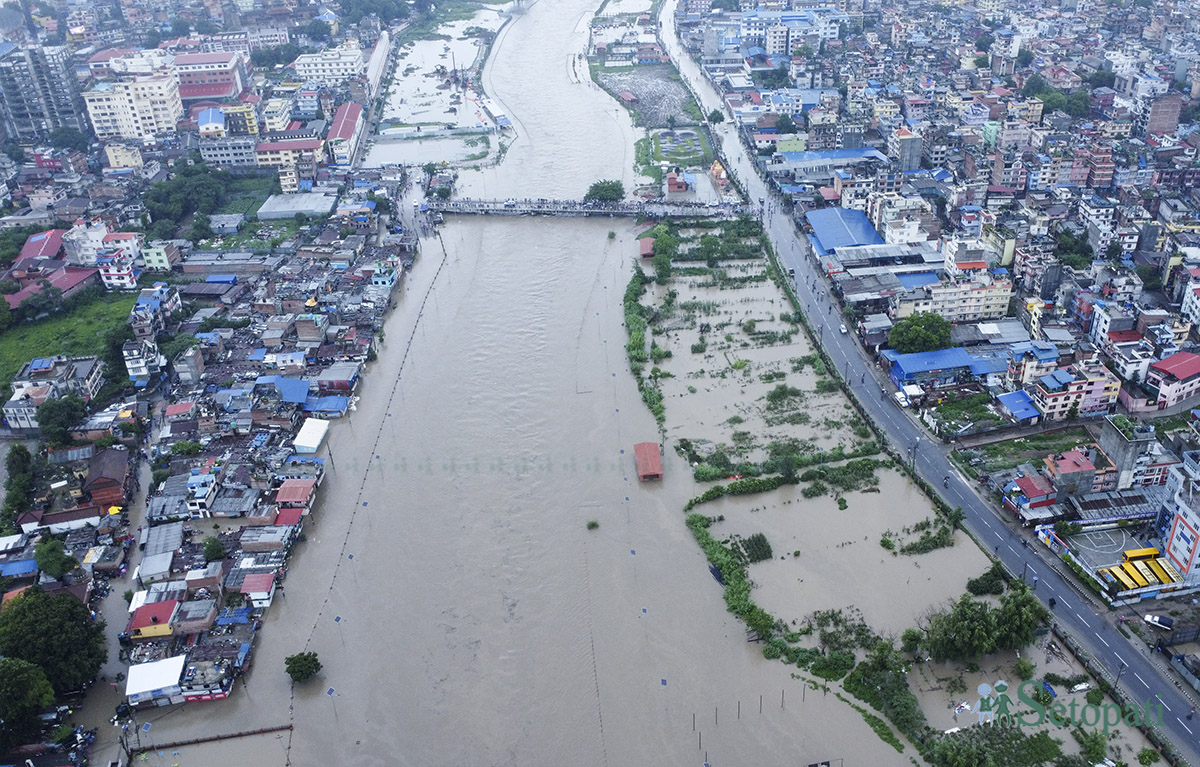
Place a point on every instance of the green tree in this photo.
(1102, 79)
(984, 42)
(317, 30)
(1114, 251)
(1035, 85)
(716, 117)
(206, 27)
(180, 27)
(68, 138)
(982, 61)
(1017, 618)
(213, 549)
(920, 332)
(804, 51)
(967, 631)
(1023, 668)
(302, 666)
(785, 125)
(24, 693)
(605, 191)
(201, 228)
(52, 558)
(1073, 412)
(911, 639)
(186, 448)
(56, 418)
(1024, 58)
(956, 751)
(56, 633)
(1150, 277)
(1079, 104)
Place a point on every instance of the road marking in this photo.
(1080, 617)
(1010, 548)
(1160, 700)
(1118, 657)
(998, 535)
(1143, 681)
(1189, 729)
(1106, 644)
(1065, 603)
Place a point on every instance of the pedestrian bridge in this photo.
(547, 207)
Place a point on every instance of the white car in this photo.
(1162, 621)
(843, 328)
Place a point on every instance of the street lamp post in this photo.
(1025, 570)
(913, 461)
(1120, 671)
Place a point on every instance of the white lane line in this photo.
(998, 535)
(1080, 617)
(1010, 548)
(1143, 681)
(1163, 702)
(1118, 657)
(1065, 603)
(1106, 644)
(1189, 729)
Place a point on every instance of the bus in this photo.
(1144, 569)
(1132, 555)
(1126, 582)
(1170, 569)
(1163, 576)
(1134, 575)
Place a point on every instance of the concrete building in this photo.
(47, 378)
(230, 151)
(1082, 390)
(904, 147)
(345, 133)
(38, 92)
(331, 67)
(121, 156)
(276, 115)
(143, 361)
(974, 296)
(1174, 379)
(134, 109)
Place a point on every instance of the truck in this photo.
(908, 395)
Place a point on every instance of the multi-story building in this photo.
(1084, 389)
(38, 92)
(1174, 379)
(83, 242)
(161, 255)
(1029, 361)
(276, 154)
(333, 66)
(47, 378)
(276, 115)
(135, 109)
(904, 147)
(153, 308)
(971, 295)
(143, 361)
(230, 151)
(117, 268)
(345, 133)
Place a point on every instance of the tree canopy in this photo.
(353, 11)
(213, 549)
(52, 558)
(56, 633)
(68, 138)
(317, 30)
(605, 191)
(24, 693)
(716, 117)
(1024, 57)
(275, 55)
(785, 124)
(967, 631)
(921, 332)
(302, 666)
(984, 42)
(56, 417)
(191, 189)
(982, 61)
(1074, 251)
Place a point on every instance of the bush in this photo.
(1095, 696)
(991, 582)
(833, 666)
(1024, 669)
(592, 524)
(1148, 756)
(757, 548)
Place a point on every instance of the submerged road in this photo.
(1143, 675)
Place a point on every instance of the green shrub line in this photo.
(880, 727)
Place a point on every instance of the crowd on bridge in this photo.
(545, 205)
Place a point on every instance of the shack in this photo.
(311, 435)
(646, 247)
(649, 461)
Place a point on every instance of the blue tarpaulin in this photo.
(841, 228)
(17, 568)
(1020, 404)
(292, 390)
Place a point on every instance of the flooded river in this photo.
(463, 612)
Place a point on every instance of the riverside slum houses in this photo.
(235, 478)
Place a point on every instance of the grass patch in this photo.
(592, 524)
(81, 332)
(1008, 454)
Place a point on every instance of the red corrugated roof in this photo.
(43, 244)
(289, 517)
(64, 279)
(295, 490)
(1035, 486)
(180, 408)
(186, 59)
(258, 583)
(154, 614)
(207, 91)
(1182, 365)
(279, 146)
(345, 121)
(1123, 336)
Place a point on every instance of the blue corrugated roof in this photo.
(924, 362)
(257, 355)
(17, 568)
(985, 365)
(292, 390)
(1057, 379)
(1019, 403)
(917, 279)
(841, 228)
(334, 403)
(1044, 351)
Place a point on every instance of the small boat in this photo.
(716, 573)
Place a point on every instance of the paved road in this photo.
(1141, 675)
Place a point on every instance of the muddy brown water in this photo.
(479, 621)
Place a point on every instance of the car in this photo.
(843, 327)
(1161, 621)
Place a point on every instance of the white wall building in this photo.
(331, 67)
(136, 109)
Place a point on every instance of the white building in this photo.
(136, 109)
(333, 66)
